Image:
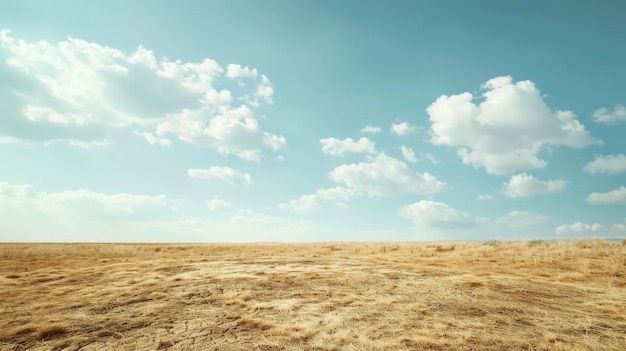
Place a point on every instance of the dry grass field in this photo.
(557, 295)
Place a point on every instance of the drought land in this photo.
(554, 295)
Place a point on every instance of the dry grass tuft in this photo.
(52, 331)
(165, 344)
(440, 248)
(534, 295)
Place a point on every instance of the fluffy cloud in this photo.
(332, 146)
(402, 129)
(337, 195)
(408, 154)
(524, 185)
(603, 115)
(439, 215)
(237, 71)
(264, 91)
(379, 176)
(581, 229)
(226, 174)
(232, 131)
(617, 196)
(385, 176)
(369, 129)
(610, 165)
(507, 130)
(76, 91)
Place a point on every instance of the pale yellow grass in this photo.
(560, 295)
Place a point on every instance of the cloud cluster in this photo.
(333, 146)
(75, 91)
(385, 176)
(441, 220)
(438, 215)
(507, 130)
(581, 229)
(524, 185)
(378, 176)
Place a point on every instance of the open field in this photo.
(560, 295)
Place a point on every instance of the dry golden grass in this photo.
(558, 295)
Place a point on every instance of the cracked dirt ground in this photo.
(568, 295)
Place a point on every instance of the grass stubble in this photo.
(554, 295)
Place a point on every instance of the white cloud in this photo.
(217, 203)
(439, 215)
(75, 91)
(332, 146)
(524, 185)
(485, 197)
(238, 71)
(581, 229)
(265, 90)
(27, 198)
(517, 219)
(617, 196)
(369, 129)
(603, 115)
(337, 196)
(226, 174)
(232, 131)
(610, 165)
(153, 140)
(384, 176)
(507, 130)
(402, 129)
(408, 154)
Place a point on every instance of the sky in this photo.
(306, 121)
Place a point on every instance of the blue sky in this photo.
(238, 121)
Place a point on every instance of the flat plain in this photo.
(553, 295)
